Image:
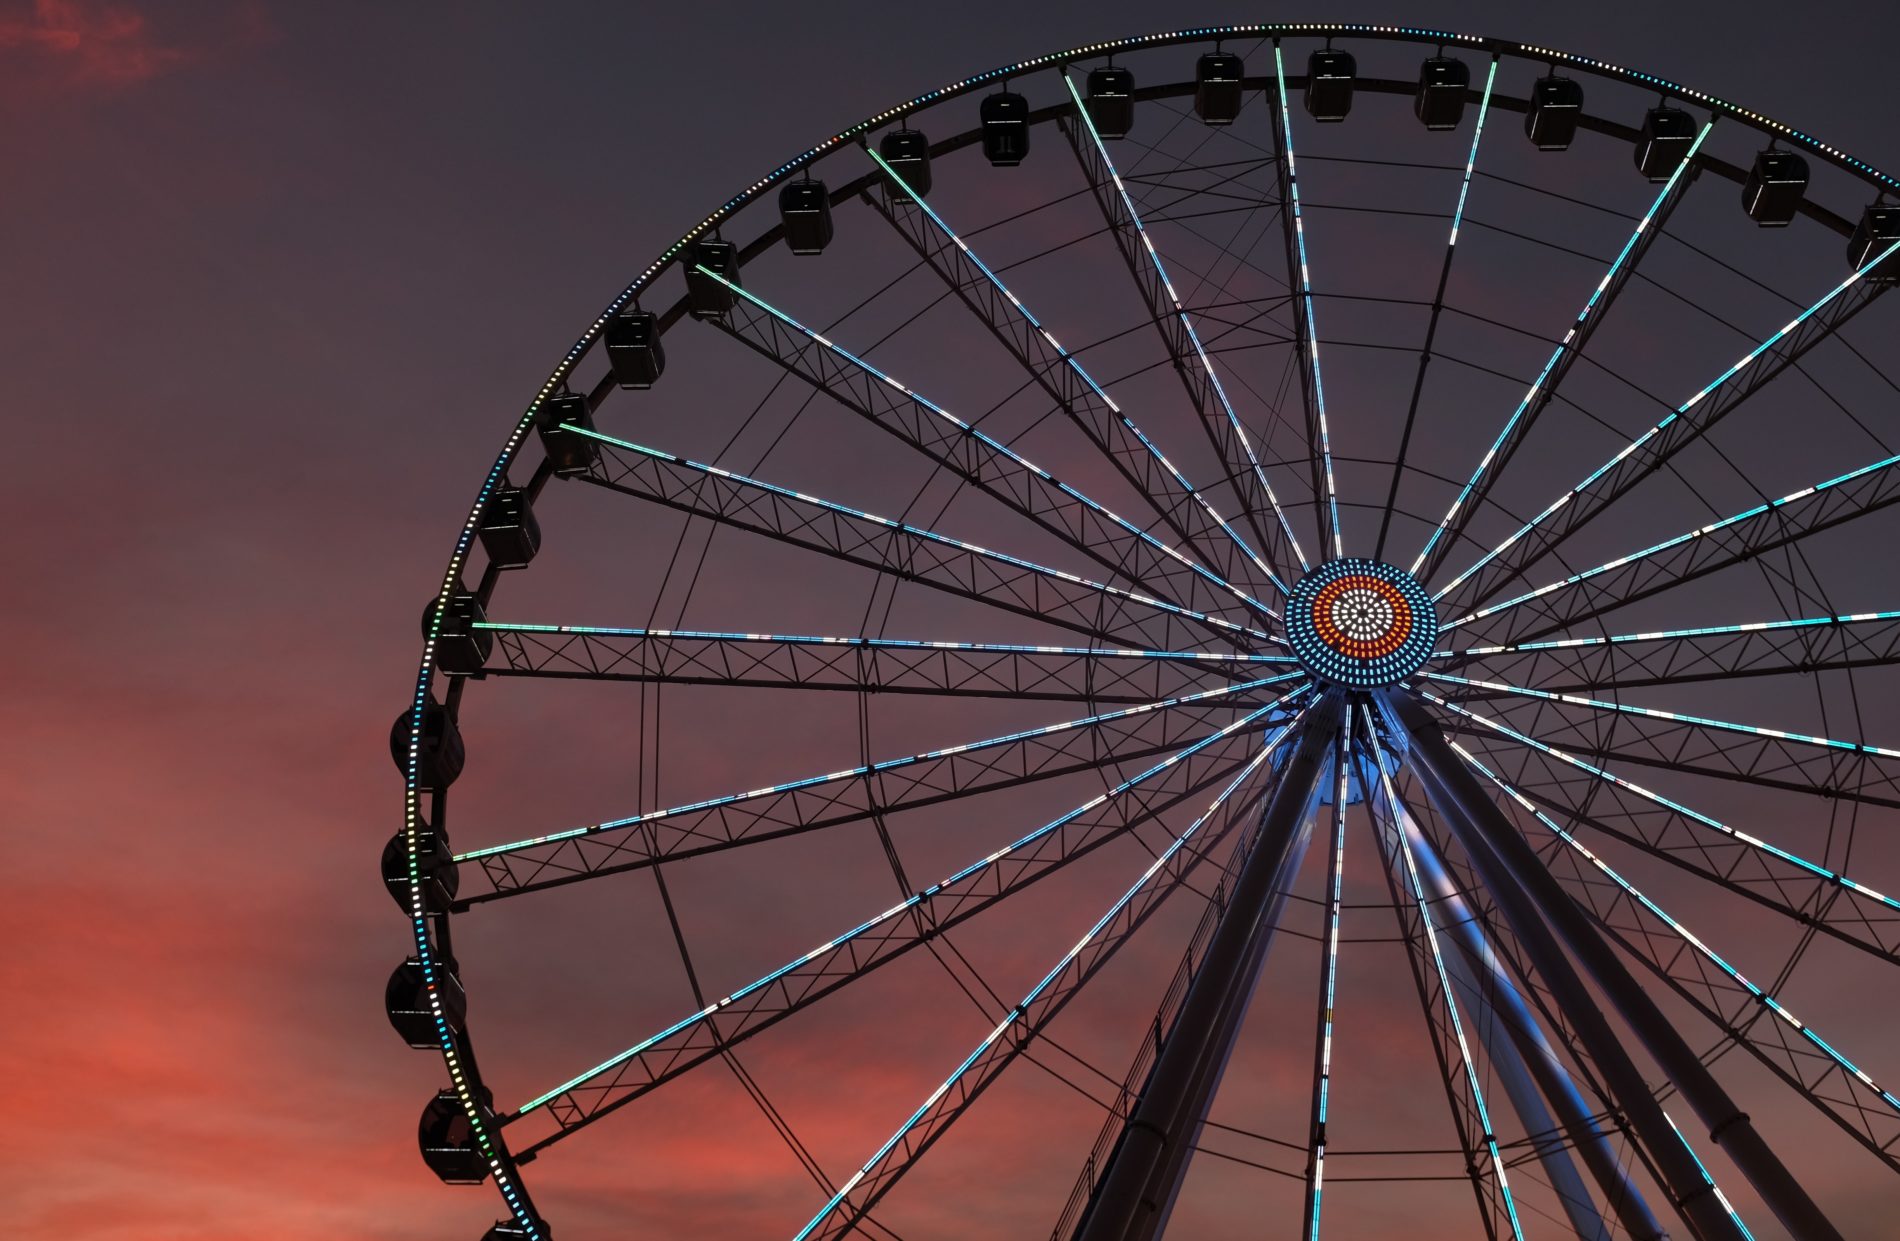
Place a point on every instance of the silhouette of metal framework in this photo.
(1249, 665)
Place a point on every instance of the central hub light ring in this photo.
(1361, 623)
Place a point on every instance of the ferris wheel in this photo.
(1220, 494)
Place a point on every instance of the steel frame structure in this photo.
(1493, 781)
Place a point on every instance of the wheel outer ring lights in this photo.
(1361, 623)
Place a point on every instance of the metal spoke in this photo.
(1117, 810)
(1184, 508)
(855, 663)
(1801, 646)
(1793, 1050)
(1319, 432)
(1438, 305)
(1328, 988)
(1191, 361)
(975, 456)
(1544, 387)
(1019, 1026)
(1731, 540)
(1775, 758)
(853, 795)
(1469, 1110)
(1800, 889)
(899, 548)
(1651, 450)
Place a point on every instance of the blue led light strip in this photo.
(1714, 824)
(1396, 810)
(1187, 324)
(1670, 635)
(1306, 299)
(1701, 721)
(1688, 937)
(1748, 359)
(1710, 1180)
(907, 644)
(889, 764)
(1687, 536)
(993, 443)
(921, 533)
(1016, 1014)
(1074, 365)
(1563, 347)
(1322, 1096)
(962, 877)
(1471, 160)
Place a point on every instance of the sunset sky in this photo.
(279, 280)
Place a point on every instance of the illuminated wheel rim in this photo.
(1529, 681)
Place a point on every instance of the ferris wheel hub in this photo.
(1360, 623)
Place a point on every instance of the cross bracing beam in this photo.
(1806, 891)
(855, 794)
(1232, 445)
(881, 665)
(986, 463)
(902, 549)
(1744, 1010)
(1118, 810)
(1657, 446)
(1182, 507)
(1000, 1048)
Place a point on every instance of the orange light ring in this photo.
(1361, 648)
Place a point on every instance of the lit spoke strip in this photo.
(1581, 326)
(1322, 1087)
(1672, 635)
(961, 878)
(1710, 1181)
(1754, 842)
(1655, 713)
(1682, 932)
(1306, 300)
(907, 644)
(1687, 536)
(1187, 326)
(993, 444)
(1040, 999)
(1747, 360)
(1438, 304)
(1075, 366)
(929, 536)
(1396, 811)
(873, 769)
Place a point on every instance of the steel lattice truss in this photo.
(1572, 795)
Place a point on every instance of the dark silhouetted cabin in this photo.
(1556, 107)
(1111, 101)
(570, 453)
(1218, 87)
(448, 1141)
(509, 532)
(1442, 84)
(406, 1000)
(439, 752)
(804, 208)
(706, 297)
(1772, 193)
(633, 348)
(1668, 133)
(435, 867)
(1005, 118)
(1330, 74)
(460, 647)
(907, 151)
(1877, 232)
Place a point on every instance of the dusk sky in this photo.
(280, 279)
